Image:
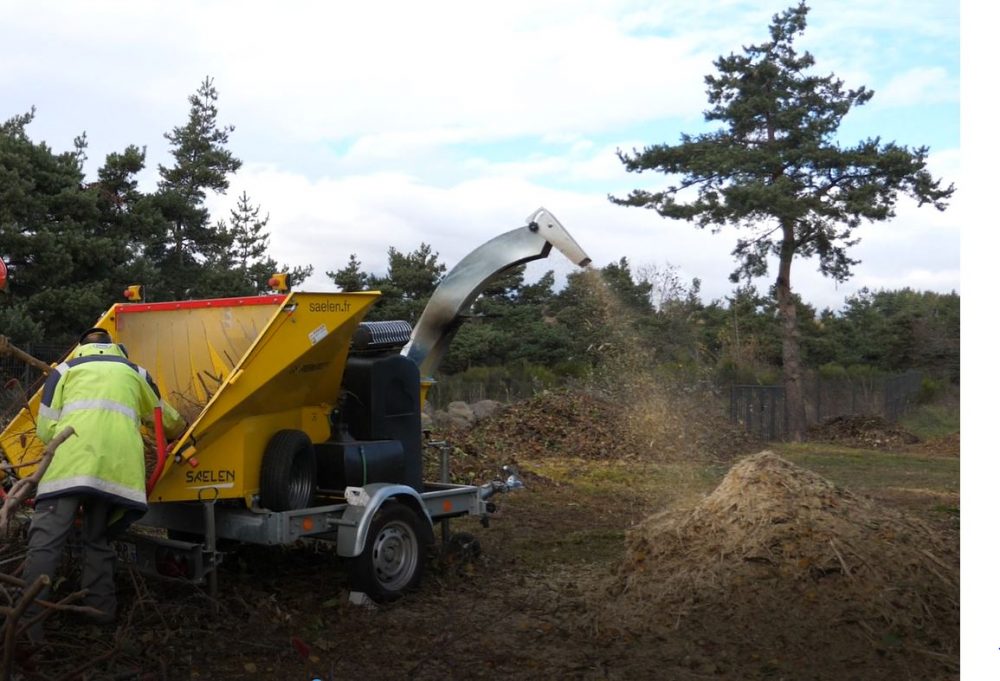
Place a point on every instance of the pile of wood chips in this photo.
(588, 424)
(867, 432)
(782, 569)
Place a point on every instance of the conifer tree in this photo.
(408, 285)
(248, 232)
(202, 163)
(350, 277)
(774, 168)
(61, 253)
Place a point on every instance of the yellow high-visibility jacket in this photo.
(105, 398)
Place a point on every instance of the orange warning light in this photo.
(278, 282)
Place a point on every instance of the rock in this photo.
(445, 420)
(483, 409)
(461, 414)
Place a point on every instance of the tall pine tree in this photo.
(775, 169)
(202, 163)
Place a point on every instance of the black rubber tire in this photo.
(395, 554)
(288, 472)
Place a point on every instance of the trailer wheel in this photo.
(392, 562)
(288, 472)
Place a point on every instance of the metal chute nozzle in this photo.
(440, 319)
(553, 232)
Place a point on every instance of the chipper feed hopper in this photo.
(304, 421)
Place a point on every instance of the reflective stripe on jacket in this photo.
(105, 398)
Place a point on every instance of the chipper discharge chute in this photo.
(303, 420)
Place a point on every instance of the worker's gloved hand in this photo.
(173, 443)
(180, 433)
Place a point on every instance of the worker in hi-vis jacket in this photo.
(105, 398)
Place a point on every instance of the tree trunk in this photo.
(792, 366)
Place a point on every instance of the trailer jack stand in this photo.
(208, 507)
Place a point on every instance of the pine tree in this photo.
(248, 232)
(408, 285)
(60, 252)
(202, 163)
(350, 277)
(774, 168)
(248, 254)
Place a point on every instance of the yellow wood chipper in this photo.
(304, 422)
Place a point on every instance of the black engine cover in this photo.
(382, 402)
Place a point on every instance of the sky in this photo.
(368, 125)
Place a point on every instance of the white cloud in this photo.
(919, 86)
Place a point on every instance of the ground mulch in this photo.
(866, 432)
(779, 573)
(593, 425)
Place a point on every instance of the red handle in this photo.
(161, 450)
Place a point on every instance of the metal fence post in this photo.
(771, 433)
(819, 400)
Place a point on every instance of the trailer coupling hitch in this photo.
(512, 483)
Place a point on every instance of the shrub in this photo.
(930, 389)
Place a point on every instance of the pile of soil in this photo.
(867, 432)
(591, 425)
(780, 570)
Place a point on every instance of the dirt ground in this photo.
(540, 600)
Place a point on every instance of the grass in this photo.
(586, 507)
(933, 420)
(647, 484)
(867, 471)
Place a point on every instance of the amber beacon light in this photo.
(278, 282)
(133, 293)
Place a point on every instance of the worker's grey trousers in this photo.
(50, 527)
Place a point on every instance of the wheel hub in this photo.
(394, 555)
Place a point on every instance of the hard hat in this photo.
(95, 331)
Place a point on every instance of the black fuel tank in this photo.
(354, 463)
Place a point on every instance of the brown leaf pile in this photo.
(591, 425)
(781, 564)
(867, 432)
